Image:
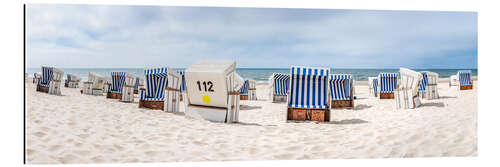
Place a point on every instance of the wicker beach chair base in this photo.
(243, 97)
(279, 98)
(300, 114)
(342, 103)
(111, 95)
(386, 95)
(465, 87)
(155, 105)
(42, 89)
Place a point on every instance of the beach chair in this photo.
(453, 80)
(94, 84)
(213, 91)
(431, 85)
(341, 91)
(422, 89)
(55, 83)
(406, 93)
(107, 84)
(116, 87)
(464, 78)
(72, 81)
(139, 83)
(252, 90)
(50, 80)
(244, 90)
(308, 97)
(183, 84)
(128, 88)
(162, 89)
(387, 83)
(36, 77)
(373, 85)
(280, 84)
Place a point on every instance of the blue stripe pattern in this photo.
(340, 86)
(136, 86)
(423, 82)
(281, 84)
(464, 76)
(47, 76)
(388, 82)
(68, 78)
(244, 89)
(156, 82)
(309, 87)
(375, 85)
(183, 82)
(118, 80)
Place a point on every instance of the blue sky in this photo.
(88, 36)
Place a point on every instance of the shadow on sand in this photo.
(440, 104)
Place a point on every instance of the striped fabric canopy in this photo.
(244, 88)
(281, 84)
(375, 85)
(309, 87)
(183, 82)
(156, 82)
(47, 76)
(340, 86)
(388, 82)
(118, 80)
(464, 76)
(423, 82)
(136, 85)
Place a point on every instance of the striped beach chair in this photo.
(308, 97)
(50, 81)
(406, 94)
(72, 81)
(183, 83)
(423, 85)
(373, 85)
(213, 91)
(280, 84)
(252, 90)
(116, 88)
(244, 90)
(162, 89)
(341, 91)
(44, 81)
(465, 80)
(387, 83)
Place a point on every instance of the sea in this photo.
(258, 74)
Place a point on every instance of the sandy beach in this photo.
(77, 128)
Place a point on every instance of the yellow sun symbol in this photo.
(206, 99)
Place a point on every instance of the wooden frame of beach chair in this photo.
(432, 81)
(116, 88)
(43, 82)
(406, 93)
(465, 80)
(279, 87)
(128, 88)
(252, 90)
(309, 94)
(244, 90)
(55, 83)
(387, 82)
(373, 86)
(213, 91)
(341, 91)
(162, 89)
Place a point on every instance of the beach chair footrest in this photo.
(342, 103)
(465, 87)
(386, 95)
(320, 115)
(111, 95)
(155, 105)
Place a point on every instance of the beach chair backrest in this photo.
(209, 83)
(340, 86)
(373, 83)
(423, 82)
(137, 82)
(308, 87)
(130, 79)
(409, 79)
(432, 78)
(251, 84)
(57, 74)
(47, 75)
(158, 79)
(244, 88)
(96, 79)
(281, 83)
(117, 81)
(387, 82)
(464, 76)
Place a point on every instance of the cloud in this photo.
(140, 36)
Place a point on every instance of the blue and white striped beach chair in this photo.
(116, 88)
(50, 80)
(465, 80)
(341, 91)
(308, 98)
(183, 83)
(244, 90)
(387, 83)
(162, 89)
(422, 89)
(373, 85)
(280, 84)
(44, 81)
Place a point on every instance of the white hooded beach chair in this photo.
(252, 90)
(107, 84)
(387, 83)
(50, 81)
(453, 80)
(428, 85)
(406, 94)
(279, 86)
(116, 88)
(162, 89)
(128, 88)
(94, 84)
(465, 80)
(213, 91)
(72, 81)
(341, 91)
(308, 97)
(373, 85)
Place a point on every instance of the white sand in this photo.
(76, 128)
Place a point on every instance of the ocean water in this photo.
(258, 74)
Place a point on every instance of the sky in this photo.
(109, 36)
